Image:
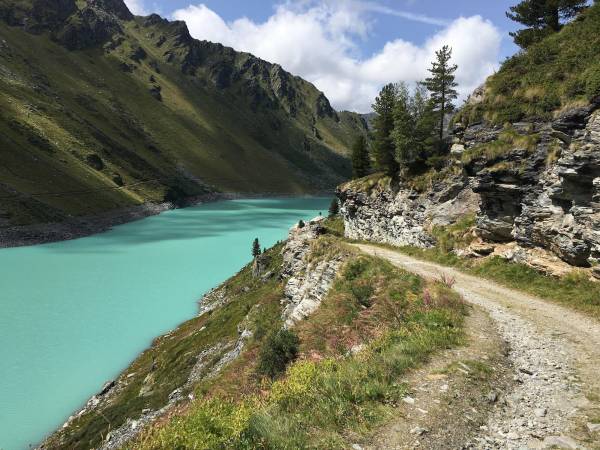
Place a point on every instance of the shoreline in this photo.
(84, 226)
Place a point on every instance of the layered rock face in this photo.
(398, 215)
(308, 281)
(535, 185)
(546, 196)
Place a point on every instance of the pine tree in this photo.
(361, 163)
(425, 117)
(334, 208)
(383, 145)
(441, 86)
(256, 248)
(404, 128)
(542, 17)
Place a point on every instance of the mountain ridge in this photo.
(135, 110)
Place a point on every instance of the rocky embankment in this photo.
(534, 187)
(164, 377)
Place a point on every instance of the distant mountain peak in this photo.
(116, 7)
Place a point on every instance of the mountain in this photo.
(104, 110)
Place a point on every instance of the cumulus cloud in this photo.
(320, 41)
(137, 7)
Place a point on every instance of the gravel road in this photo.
(554, 353)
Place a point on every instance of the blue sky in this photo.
(350, 48)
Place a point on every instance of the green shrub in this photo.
(362, 293)
(592, 81)
(280, 348)
(355, 269)
(557, 72)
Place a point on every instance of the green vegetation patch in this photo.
(252, 303)
(509, 140)
(560, 71)
(575, 289)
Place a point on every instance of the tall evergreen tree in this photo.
(441, 86)
(256, 248)
(404, 128)
(361, 163)
(542, 17)
(425, 122)
(383, 145)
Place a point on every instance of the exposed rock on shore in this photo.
(309, 281)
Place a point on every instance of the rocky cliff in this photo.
(534, 187)
(308, 277)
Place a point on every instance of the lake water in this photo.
(74, 314)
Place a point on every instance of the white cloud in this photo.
(320, 40)
(137, 7)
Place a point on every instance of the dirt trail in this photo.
(555, 357)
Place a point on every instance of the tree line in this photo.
(408, 127)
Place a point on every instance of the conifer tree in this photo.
(404, 128)
(383, 145)
(361, 163)
(425, 123)
(542, 17)
(441, 86)
(334, 208)
(256, 248)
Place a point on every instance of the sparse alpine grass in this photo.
(559, 72)
(354, 351)
(575, 289)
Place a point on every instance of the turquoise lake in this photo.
(76, 313)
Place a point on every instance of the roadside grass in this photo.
(371, 328)
(574, 290)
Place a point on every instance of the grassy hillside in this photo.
(561, 71)
(101, 110)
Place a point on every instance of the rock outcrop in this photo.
(308, 280)
(398, 215)
(547, 197)
(535, 185)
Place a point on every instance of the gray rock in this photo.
(457, 149)
(308, 281)
(563, 442)
(409, 400)
(492, 397)
(593, 427)
(398, 215)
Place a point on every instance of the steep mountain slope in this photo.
(558, 73)
(101, 110)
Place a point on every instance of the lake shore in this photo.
(78, 227)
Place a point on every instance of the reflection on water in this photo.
(75, 313)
